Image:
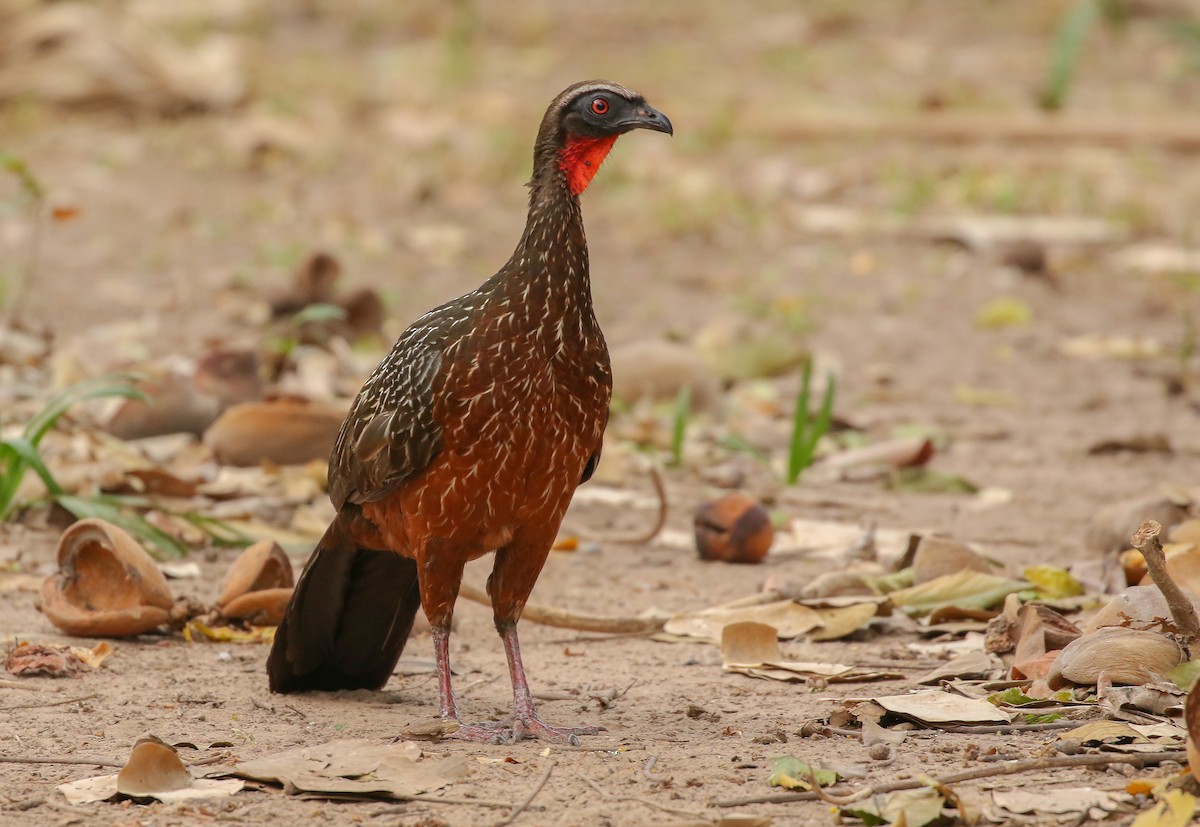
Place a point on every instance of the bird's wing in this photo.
(390, 433)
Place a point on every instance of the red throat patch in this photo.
(580, 159)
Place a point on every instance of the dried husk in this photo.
(106, 585)
(263, 565)
(1136, 607)
(264, 607)
(938, 556)
(281, 431)
(1123, 656)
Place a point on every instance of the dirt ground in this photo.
(396, 136)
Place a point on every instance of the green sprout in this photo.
(679, 423)
(806, 429)
(22, 454)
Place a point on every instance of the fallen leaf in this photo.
(1095, 733)
(1176, 808)
(753, 649)
(789, 618)
(42, 659)
(154, 771)
(1185, 674)
(355, 768)
(839, 622)
(1004, 312)
(931, 707)
(197, 630)
(1017, 802)
(973, 664)
(1053, 581)
(967, 589)
(792, 774)
(911, 808)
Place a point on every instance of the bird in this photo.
(469, 438)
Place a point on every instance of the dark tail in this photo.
(348, 619)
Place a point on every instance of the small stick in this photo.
(49, 703)
(1007, 768)
(640, 537)
(473, 802)
(7, 684)
(563, 619)
(537, 788)
(647, 802)
(1145, 540)
(52, 759)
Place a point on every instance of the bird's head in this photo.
(584, 122)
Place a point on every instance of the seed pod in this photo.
(1124, 656)
(733, 528)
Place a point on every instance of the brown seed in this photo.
(733, 528)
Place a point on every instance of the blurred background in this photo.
(981, 216)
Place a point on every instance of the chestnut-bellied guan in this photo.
(469, 437)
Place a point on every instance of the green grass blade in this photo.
(10, 477)
(683, 410)
(101, 386)
(30, 458)
(800, 426)
(1068, 43)
(219, 531)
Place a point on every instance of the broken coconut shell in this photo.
(258, 585)
(106, 585)
(281, 431)
(1123, 656)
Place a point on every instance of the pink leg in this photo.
(487, 731)
(526, 722)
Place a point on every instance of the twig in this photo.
(49, 703)
(984, 729)
(1008, 768)
(537, 788)
(7, 684)
(474, 802)
(1145, 540)
(563, 619)
(645, 801)
(53, 759)
(639, 537)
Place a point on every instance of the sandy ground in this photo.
(404, 154)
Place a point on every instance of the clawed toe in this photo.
(497, 732)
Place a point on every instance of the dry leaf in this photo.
(968, 665)
(1017, 802)
(355, 768)
(966, 589)
(196, 630)
(1191, 717)
(938, 556)
(1175, 808)
(931, 707)
(839, 622)
(789, 618)
(154, 770)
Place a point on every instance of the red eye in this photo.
(600, 106)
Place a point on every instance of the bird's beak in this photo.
(647, 117)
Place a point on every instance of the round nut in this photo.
(734, 528)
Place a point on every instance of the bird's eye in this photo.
(599, 106)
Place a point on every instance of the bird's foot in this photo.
(533, 727)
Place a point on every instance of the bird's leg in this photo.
(526, 722)
(513, 575)
(439, 574)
